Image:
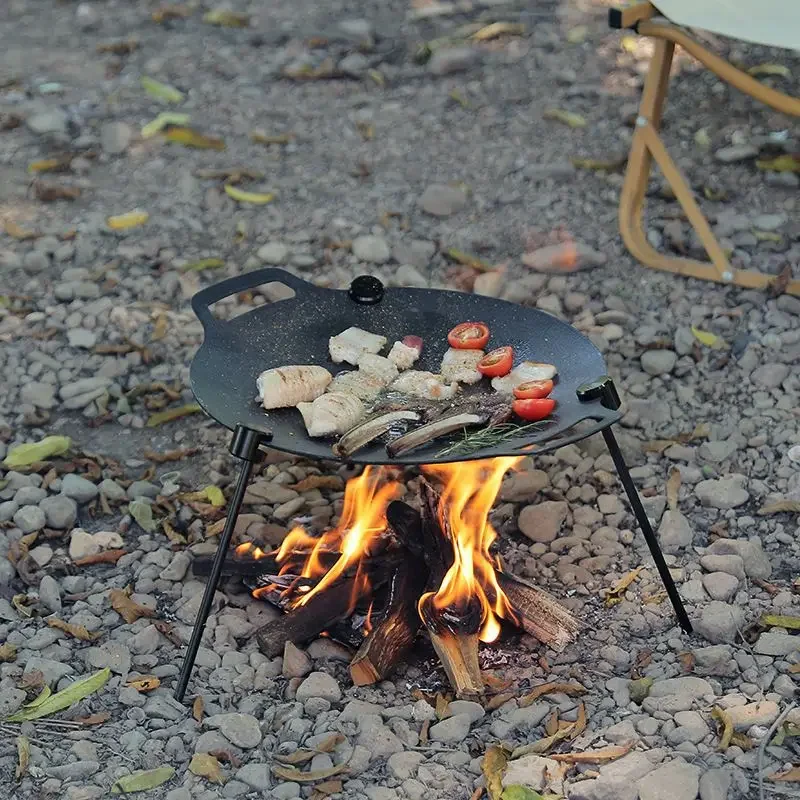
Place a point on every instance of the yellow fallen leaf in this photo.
(615, 593)
(160, 328)
(785, 163)
(256, 198)
(226, 18)
(128, 609)
(50, 164)
(600, 165)
(767, 236)
(570, 689)
(8, 652)
(493, 767)
(24, 454)
(593, 756)
(78, 631)
(24, 756)
(258, 137)
(74, 693)
(704, 337)
(467, 259)
(567, 117)
(132, 219)
(214, 496)
(702, 139)
(203, 263)
(171, 12)
(673, 487)
(770, 69)
(726, 727)
(577, 34)
(163, 120)
(146, 683)
(197, 708)
(630, 44)
(191, 138)
(162, 91)
(780, 621)
(17, 232)
(498, 29)
(376, 77)
(459, 98)
(206, 766)
(170, 414)
(142, 780)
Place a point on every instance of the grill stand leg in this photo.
(647, 529)
(244, 445)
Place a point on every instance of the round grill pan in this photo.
(296, 331)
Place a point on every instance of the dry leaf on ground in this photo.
(333, 482)
(206, 766)
(131, 219)
(23, 757)
(171, 414)
(25, 454)
(104, 557)
(49, 192)
(791, 774)
(780, 507)
(673, 487)
(65, 698)
(78, 631)
(615, 593)
(203, 263)
(493, 767)
(594, 756)
(569, 118)
(785, 163)
(292, 774)
(161, 91)
(254, 198)
(780, 621)
(570, 689)
(143, 780)
(8, 653)
(191, 138)
(197, 708)
(147, 683)
(164, 120)
(128, 609)
(226, 18)
(725, 727)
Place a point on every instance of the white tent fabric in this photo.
(770, 22)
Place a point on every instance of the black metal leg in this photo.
(647, 529)
(245, 446)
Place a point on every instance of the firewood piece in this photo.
(540, 614)
(459, 656)
(436, 535)
(245, 566)
(406, 524)
(393, 636)
(305, 622)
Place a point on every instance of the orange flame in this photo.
(362, 522)
(250, 550)
(470, 489)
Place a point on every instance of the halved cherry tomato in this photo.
(469, 336)
(497, 363)
(535, 409)
(532, 390)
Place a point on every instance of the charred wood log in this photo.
(391, 638)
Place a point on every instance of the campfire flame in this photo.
(362, 523)
(469, 491)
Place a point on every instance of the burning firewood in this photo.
(387, 571)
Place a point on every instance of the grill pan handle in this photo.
(205, 298)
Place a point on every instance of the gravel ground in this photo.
(388, 153)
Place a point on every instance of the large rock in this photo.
(724, 493)
(674, 781)
(715, 784)
(566, 257)
(242, 730)
(542, 522)
(442, 201)
(674, 533)
(764, 712)
(755, 561)
(720, 585)
(771, 643)
(770, 376)
(531, 770)
(60, 511)
(447, 60)
(451, 730)
(719, 622)
(617, 780)
(78, 488)
(319, 684)
(374, 249)
(687, 685)
(658, 362)
(524, 486)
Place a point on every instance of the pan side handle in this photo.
(205, 298)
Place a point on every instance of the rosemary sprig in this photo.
(488, 437)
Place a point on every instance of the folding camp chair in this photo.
(768, 22)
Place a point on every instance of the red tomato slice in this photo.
(534, 409)
(497, 363)
(532, 390)
(469, 336)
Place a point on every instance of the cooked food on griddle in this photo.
(522, 373)
(384, 397)
(332, 413)
(283, 387)
(404, 354)
(352, 343)
(461, 366)
(417, 383)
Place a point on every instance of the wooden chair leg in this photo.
(647, 146)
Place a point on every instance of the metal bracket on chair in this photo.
(603, 389)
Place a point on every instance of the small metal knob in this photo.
(367, 290)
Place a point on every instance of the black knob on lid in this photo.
(367, 290)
